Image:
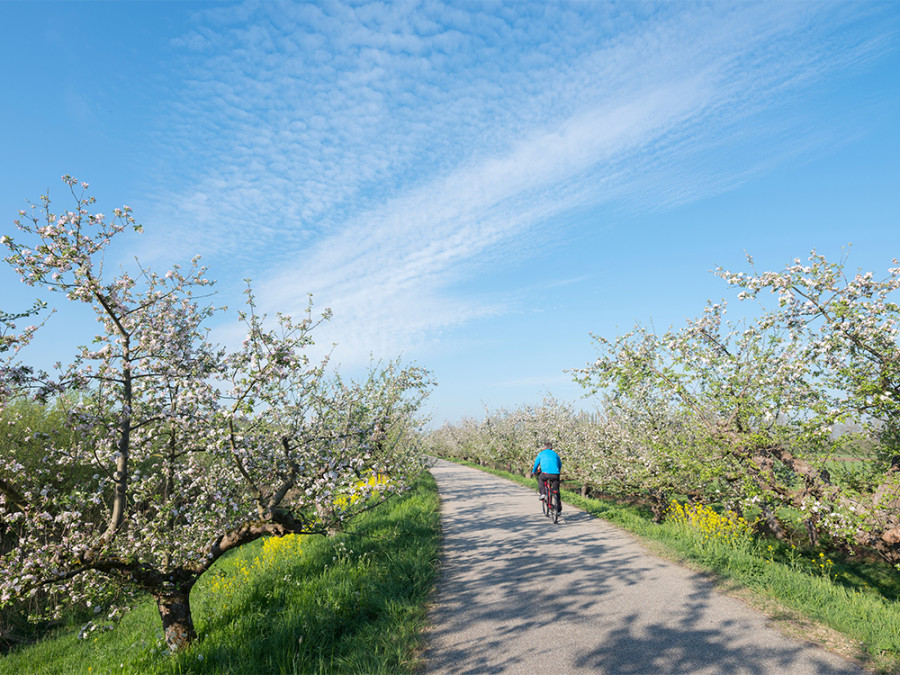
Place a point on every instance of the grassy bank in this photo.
(848, 605)
(353, 603)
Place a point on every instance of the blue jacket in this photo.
(548, 460)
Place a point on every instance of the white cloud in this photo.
(376, 155)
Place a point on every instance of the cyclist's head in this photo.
(548, 445)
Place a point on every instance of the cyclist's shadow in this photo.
(570, 515)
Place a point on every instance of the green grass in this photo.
(857, 599)
(353, 603)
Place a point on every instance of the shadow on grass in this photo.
(350, 603)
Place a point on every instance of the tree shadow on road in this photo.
(520, 594)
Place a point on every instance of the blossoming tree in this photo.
(15, 376)
(186, 450)
(761, 397)
(714, 400)
(848, 325)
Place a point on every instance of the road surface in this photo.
(518, 594)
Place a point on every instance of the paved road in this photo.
(518, 594)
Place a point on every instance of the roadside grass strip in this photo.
(856, 599)
(351, 603)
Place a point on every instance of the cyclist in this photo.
(547, 467)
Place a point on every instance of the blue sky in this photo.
(474, 186)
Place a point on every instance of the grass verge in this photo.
(352, 603)
(830, 604)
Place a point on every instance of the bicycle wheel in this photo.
(545, 503)
(554, 508)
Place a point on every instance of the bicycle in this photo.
(551, 504)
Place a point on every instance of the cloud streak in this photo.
(379, 156)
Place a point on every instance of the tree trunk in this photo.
(178, 625)
(771, 524)
(328, 519)
(659, 503)
(812, 532)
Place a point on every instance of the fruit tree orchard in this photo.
(184, 450)
(741, 412)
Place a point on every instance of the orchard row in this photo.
(793, 409)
